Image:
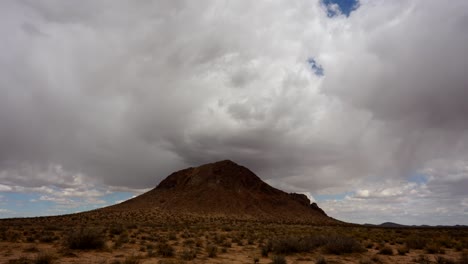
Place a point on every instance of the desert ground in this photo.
(154, 237)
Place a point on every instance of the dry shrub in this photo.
(342, 245)
(44, 258)
(188, 254)
(278, 260)
(416, 242)
(212, 251)
(165, 250)
(85, 238)
(386, 250)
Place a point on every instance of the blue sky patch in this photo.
(326, 197)
(418, 178)
(316, 68)
(13, 204)
(337, 7)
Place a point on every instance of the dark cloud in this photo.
(124, 93)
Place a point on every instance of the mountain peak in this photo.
(222, 174)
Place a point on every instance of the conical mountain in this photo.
(225, 188)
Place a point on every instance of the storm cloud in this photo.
(118, 94)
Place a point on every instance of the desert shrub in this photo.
(386, 250)
(85, 238)
(31, 249)
(199, 243)
(365, 260)
(422, 259)
(188, 254)
(442, 260)
(415, 242)
(21, 260)
(132, 260)
(403, 250)
(44, 258)
(226, 244)
(11, 236)
(238, 241)
(165, 250)
(320, 260)
(211, 250)
(289, 245)
(341, 245)
(122, 239)
(172, 236)
(189, 242)
(434, 248)
(171, 261)
(116, 229)
(463, 258)
(279, 260)
(265, 249)
(47, 237)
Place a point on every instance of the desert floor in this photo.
(79, 240)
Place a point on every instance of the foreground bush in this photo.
(463, 258)
(342, 245)
(44, 258)
(85, 238)
(165, 250)
(333, 244)
(278, 260)
(416, 242)
(386, 250)
(290, 245)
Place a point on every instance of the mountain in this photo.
(226, 189)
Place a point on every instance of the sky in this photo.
(359, 104)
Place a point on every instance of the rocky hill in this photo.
(225, 189)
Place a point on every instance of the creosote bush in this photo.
(165, 250)
(386, 250)
(278, 260)
(403, 250)
(212, 251)
(188, 254)
(321, 260)
(85, 238)
(463, 258)
(342, 245)
(416, 242)
(44, 258)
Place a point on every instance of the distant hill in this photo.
(395, 225)
(225, 188)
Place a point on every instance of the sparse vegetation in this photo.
(210, 239)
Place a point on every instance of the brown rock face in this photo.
(225, 188)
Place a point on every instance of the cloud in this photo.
(117, 95)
